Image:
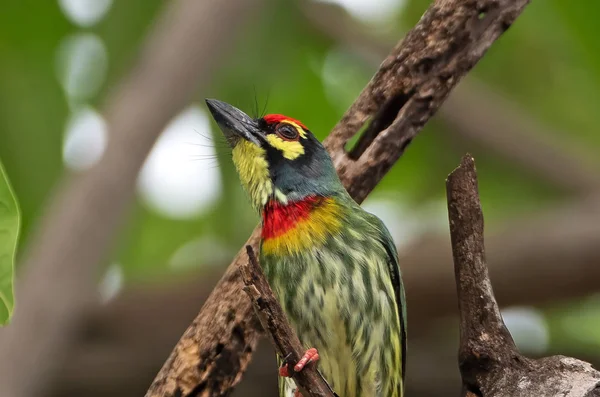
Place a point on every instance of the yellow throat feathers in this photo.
(251, 164)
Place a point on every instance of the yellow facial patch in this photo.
(312, 231)
(290, 149)
(251, 164)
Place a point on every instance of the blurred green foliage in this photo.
(9, 232)
(549, 63)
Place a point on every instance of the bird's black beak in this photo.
(234, 123)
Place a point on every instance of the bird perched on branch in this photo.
(332, 265)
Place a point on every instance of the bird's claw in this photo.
(310, 356)
(283, 371)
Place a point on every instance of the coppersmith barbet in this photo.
(332, 265)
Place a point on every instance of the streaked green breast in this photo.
(340, 298)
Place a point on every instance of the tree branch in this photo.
(413, 81)
(475, 114)
(216, 348)
(481, 325)
(489, 362)
(69, 246)
(124, 337)
(310, 382)
(402, 96)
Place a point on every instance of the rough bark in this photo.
(489, 361)
(215, 350)
(272, 318)
(402, 96)
(70, 245)
(477, 116)
(411, 84)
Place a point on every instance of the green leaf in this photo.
(9, 233)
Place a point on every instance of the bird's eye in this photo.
(287, 132)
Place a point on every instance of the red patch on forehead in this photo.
(278, 118)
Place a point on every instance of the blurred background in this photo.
(528, 113)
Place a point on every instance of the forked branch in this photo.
(489, 362)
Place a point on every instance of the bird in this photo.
(332, 265)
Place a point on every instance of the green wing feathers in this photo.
(396, 276)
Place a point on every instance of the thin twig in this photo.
(286, 342)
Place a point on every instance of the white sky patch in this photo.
(171, 181)
(370, 10)
(112, 283)
(81, 65)
(85, 139)
(528, 327)
(85, 13)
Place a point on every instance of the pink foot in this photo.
(297, 394)
(283, 371)
(311, 356)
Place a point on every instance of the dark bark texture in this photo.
(411, 84)
(215, 350)
(287, 344)
(489, 362)
(404, 94)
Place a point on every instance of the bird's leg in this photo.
(310, 356)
